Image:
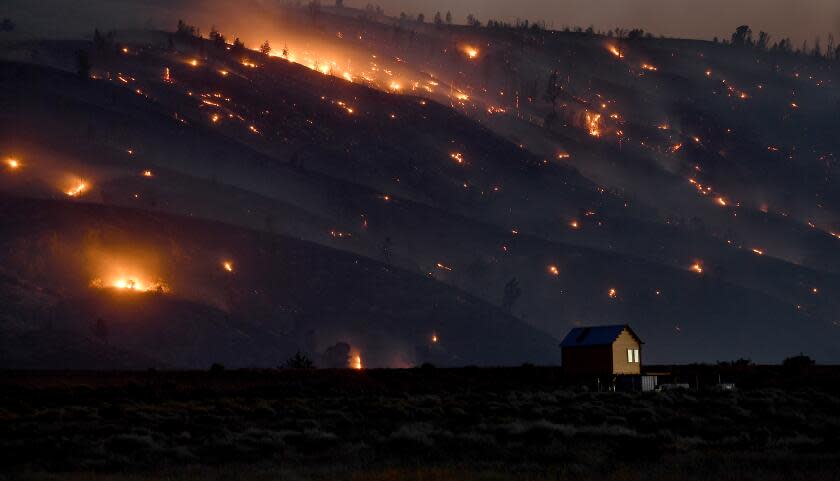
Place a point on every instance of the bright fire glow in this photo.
(434, 338)
(228, 266)
(457, 157)
(553, 270)
(77, 190)
(148, 173)
(130, 283)
(612, 293)
(356, 361)
(697, 267)
(647, 66)
(13, 163)
(193, 62)
(615, 51)
(471, 52)
(593, 123)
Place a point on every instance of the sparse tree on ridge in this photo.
(448, 18)
(265, 48)
(742, 36)
(438, 18)
(511, 294)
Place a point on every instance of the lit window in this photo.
(635, 355)
(629, 355)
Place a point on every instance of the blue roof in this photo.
(595, 335)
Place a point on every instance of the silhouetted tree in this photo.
(218, 39)
(763, 40)
(238, 46)
(635, 34)
(438, 19)
(798, 362)
(83, 65)
(448, 17)
(511, 294)
(265, 48)
(817, 50)
(186, 30)
(421, 18)
(337, 356)
(742, 36)
(472, 21)
(299, 361)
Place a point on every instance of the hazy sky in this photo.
(799, 19)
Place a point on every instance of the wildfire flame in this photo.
(132, 284)
(615, 51)
(13, 163)
(228, 266)
(471, 52)
(356, 362)
(77, 190)
(697, 267)
(593, 123)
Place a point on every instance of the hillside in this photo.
(642, 190)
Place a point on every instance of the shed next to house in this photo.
(602, 351)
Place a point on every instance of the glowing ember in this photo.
(443, 267)
(356, 362)
(553, 270)
(223, 73)
(472, 52)
(574, 224)
(394, 87)
(647, 66)
(615, 51)
(148, 173)
(77, 190)
(214, 118)
(758, 251)
(228, 266)
(721, 201)
(193, 62)
(563, 155)
(697, 267)
(457, 157)
(794, 105)
(434, 338)
(612, 293)
(13, 163)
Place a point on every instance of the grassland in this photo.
(417, 424)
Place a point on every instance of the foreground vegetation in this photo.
(430, 424)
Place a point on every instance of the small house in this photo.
(602, 351)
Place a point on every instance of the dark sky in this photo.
(799, 19)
